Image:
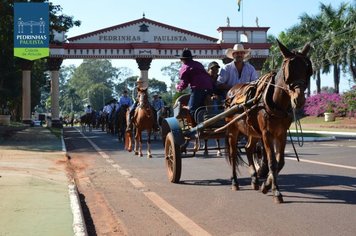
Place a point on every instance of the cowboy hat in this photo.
(186, 54)
(142, 84)
(237, 48)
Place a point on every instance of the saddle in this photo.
(241, 93)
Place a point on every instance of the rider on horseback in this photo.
(141, 84)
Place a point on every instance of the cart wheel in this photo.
(173, 159)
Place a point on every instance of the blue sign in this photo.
(31, 30)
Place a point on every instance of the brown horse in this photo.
(143, 119)
(270, 116)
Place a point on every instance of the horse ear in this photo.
(305, 49)
(285, 51)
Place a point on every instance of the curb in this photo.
(79, 226)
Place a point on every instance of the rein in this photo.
(300, 139)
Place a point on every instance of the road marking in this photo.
(136, 183)
(187, 224)
(324, 163)
(116, 166)
(124, 173)
(109, 161)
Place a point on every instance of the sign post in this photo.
(31, 30)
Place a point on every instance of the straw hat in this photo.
(237, 48)
(142, 84)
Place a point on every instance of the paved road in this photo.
(319, 191)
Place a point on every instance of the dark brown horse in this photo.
(270, 116)
(88, 119)
(143, 119)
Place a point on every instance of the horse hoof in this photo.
(265, 188)
(235, 187)
(218, 154)
(278, 199)
(149, 156)
(136, 153)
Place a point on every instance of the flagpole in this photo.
(242, 12)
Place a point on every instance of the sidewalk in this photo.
(36, 196)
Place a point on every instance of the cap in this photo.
(213, 64)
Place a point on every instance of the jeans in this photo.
(197, 99)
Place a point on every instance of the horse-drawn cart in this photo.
(178, 132)
(262, 111)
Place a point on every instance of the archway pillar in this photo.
(54, 65)
(26, 67)
(144, 65)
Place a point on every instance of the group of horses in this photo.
(266, 121)
(116, 122)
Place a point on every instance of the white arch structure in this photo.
(145, 40)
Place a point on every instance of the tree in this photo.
(10, 69)
(156, 86)
(172, 71)
(89, 75)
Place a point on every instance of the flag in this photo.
(239, 4)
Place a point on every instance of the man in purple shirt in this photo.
(194, 74)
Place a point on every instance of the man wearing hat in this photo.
(157, 105)
(238, 71)
(194, 74)
(140, 84)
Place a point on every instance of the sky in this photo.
(200, 16)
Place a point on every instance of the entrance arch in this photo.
(145, 40)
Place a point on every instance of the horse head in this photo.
(143, 98)
(296, 70)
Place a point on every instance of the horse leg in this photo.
(254, 177)
(271, 181)
(140, 143)
(232, 143)
(149, 155)
(218, 153)
(206, 152)
(136, 142)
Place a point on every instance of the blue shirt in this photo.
(157, 104)
(125, 100)
(230, 76)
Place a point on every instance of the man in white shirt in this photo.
(238, 71)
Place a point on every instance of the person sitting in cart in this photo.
(218, 94)
(194, 74)
(238, 71)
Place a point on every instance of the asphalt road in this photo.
(319, 191)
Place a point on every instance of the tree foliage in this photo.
(332, 34)
(10, 69)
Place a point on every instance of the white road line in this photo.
(187, 224)
(136, 183)
(124, 173)
(324, 163)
